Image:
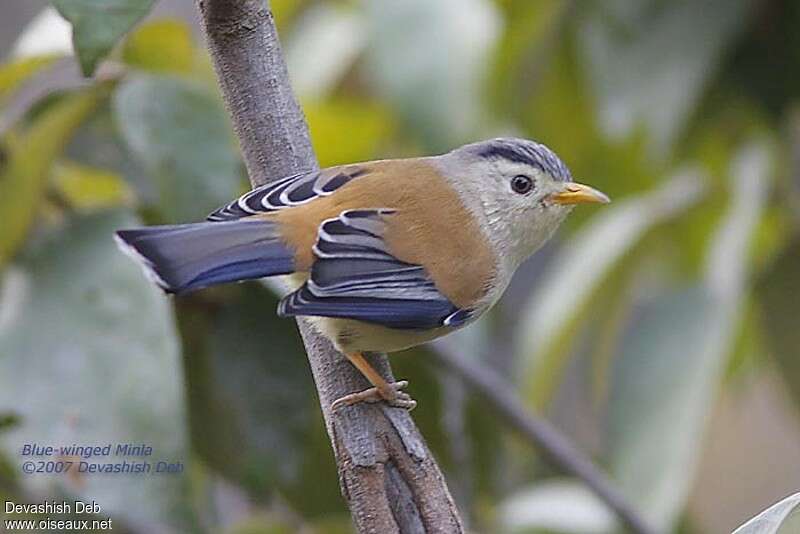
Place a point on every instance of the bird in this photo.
(382, 255)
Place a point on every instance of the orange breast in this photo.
(431, 228)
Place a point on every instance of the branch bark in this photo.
(558, 448)
(386, 472)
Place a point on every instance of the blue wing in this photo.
(287, 192)
(356, 277)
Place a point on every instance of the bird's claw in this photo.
(391, 395)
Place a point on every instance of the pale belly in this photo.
(357, 336)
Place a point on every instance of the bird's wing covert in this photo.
(288, 192)
(355, 276)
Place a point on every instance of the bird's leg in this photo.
(392, 394)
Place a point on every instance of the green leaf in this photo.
(663, 384)
(782, 518)
(97, 25)
(580, 270)
(252, 401)
(179, 131)
(779, 292)
(323, 45)
(90, 356)
(436, 83)
(161, 46)
(97, 144)
(23, 179)
(260, 524)
(368, 124)
(13, 74)
(563, 506)
(766, 61)
(286, 11)
(649, 61)
(8, 420)
(674, 354)
(88, 188)
(525, 50)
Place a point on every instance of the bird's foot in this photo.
(392, 395)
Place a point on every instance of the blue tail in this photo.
(185, 257)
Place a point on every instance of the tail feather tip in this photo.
(148, 268)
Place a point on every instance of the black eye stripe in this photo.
(522, 184)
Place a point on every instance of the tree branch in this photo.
(386, 472)
(557, 447)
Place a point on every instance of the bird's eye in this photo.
(521, 184)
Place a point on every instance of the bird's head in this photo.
(518, 189)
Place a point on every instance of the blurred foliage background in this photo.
(661, 332)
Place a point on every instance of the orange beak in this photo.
(579, 194)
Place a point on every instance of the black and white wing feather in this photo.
(287, 192)
(355, 276)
